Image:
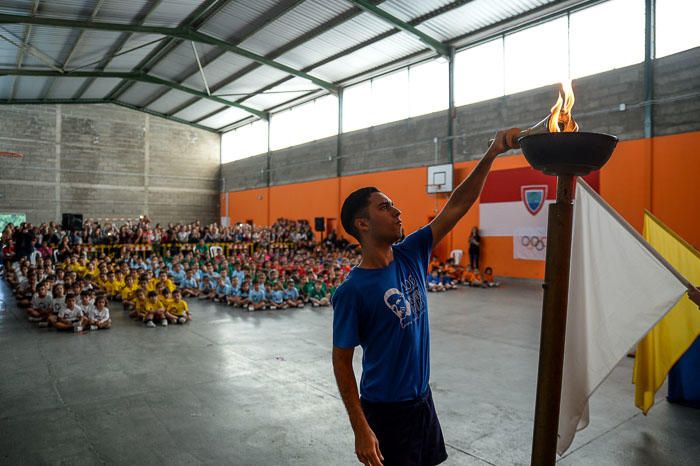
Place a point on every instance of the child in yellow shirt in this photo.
(179, 310)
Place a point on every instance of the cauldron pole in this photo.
(553, 331)
(564, 155)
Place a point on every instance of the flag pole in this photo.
(553, 329)
(630, 229)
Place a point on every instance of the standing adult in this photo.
(383, 307)
(474, 248)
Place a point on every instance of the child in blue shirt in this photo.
(207, 290)
(189, 285)
(291, 295)
(256, 297)
(277, 297)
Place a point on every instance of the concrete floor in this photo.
(257, 389)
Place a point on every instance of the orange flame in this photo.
(560, 119)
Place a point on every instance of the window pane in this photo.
(357, 111)
(537, 56)
(306, 122)
(244, 141)
(479, 73)
(390, 97)
(606, 36)
(428, 88)
(676, 26)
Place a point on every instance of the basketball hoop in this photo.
(435, 188)
(15, 155)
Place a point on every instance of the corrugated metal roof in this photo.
(198, 110)
(168, 101)
(100, 88)
(236, 17)
(350, 33)
(337, 34)
(308, 15)
(6, 86)
(65, 88)
(406, 10)
(128, 61)
(476, 15)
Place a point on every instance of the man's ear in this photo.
(362, 224)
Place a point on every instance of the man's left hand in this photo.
(504, 141)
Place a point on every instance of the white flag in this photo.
(618, 290)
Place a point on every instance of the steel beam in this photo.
(183, 33)
(162, 115)
(132, 76)
(649, 54)
(387, 17)
(117, 46)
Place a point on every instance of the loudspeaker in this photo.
(72, 221)
(320, 224)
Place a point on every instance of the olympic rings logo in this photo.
(536, 242)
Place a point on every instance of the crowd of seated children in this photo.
(447, 276)
(74, 293)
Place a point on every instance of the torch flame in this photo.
(560, 119)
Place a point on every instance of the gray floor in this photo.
(243, 388)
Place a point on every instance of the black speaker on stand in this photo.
(320, 225)
(72, 221)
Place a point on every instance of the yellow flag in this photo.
(659, 350)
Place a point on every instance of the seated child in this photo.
(189, 285)
(446, 280)
(234, 296)
(71, 316)
(41, 306)
(221, 291)
(139, 304)
(58, 302)
(489, 281)
(318, 296)
(154, 310)
(128, 293)
(434, 282)
(291, 296)
(178, 311)
(207, 290)
(98, 316)
(477, 281)
(277, 296)
(256, 297)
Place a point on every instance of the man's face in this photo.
(384, 223)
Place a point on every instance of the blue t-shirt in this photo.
(291, 294)
(277, 296)
(386, 312)
(257, 296)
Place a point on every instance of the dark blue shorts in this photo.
(409, 432)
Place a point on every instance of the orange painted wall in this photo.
(659, 175)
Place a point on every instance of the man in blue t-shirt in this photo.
(383, 307)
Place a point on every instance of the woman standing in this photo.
(474, 248)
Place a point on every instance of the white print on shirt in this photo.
(408, 310)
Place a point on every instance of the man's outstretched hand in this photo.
(504, 141)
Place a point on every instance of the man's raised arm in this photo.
(468, 190)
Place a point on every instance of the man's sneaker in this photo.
(150, 324)
(181, 320)
(164, 323)
(273, 307)
(43, 324)
(93, 327)
(315, 304)
(78, 329)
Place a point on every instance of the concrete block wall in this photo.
(106, 161)
(410, 142)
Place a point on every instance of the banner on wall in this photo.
(515, 203)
